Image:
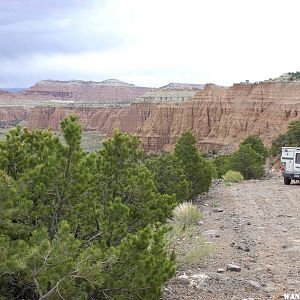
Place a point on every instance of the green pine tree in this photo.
(196, 168)
(248, 162)
(121, 175)
(169, 176)
(68, 218)
(293, 134)
(257, 145)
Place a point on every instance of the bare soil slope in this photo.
(256, 226)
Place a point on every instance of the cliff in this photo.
(171, 93)
(108, 91)
(111, 92)
(11, 117)
(218, 116)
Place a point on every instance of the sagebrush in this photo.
(233, 176)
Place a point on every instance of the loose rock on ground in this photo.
(259, 231)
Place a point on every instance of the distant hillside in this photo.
(13, 90)
(183, 86)
(171, 93)
(287, 77)
(111, 92)
(218, 116)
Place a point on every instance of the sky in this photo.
(148, 42)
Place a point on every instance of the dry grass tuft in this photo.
(186, 214)
(190, 247)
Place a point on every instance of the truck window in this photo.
(297, 160)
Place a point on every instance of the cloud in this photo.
(17, 11)
(52, 42)
(48, 27)
(147, 42)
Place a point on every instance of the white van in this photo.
(290, 159)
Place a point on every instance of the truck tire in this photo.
(287, 180)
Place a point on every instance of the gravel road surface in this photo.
(254, 229)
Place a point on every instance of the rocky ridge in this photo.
(11, 117)
(111, 92)
(183, 86)
(218, 116)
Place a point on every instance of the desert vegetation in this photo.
(294, 75)
(107, 224)
(248, 160)
(186, 214)
(185, 236)
(78, 225)
(290, 138)
(233, 176)
(197, 169)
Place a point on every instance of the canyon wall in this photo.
(218, 116)
(106, 92)
(111, 92)
(102, 119)
(12, 116)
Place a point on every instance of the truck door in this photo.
(297, 163)
(288, 158)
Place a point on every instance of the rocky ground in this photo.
(254, 228)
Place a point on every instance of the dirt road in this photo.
(254, 225)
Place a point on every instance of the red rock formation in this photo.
(102, 119)
(6, 113)
(218, 116)
(99, 119)
(9, 116)
(221, 116)
(111, 90)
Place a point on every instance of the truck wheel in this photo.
(287, 180)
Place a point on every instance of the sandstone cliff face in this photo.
(171, 93)
(108, 92)
(102, 119)
(218, 116)
(11, 117)
(111, 92)
(221, 116)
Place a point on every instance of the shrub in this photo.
(233, 176)
(195, 166)
(290, 138)
(186, 214)
(248, 162)
(77, 225)
(140, 269)
(121, 175)
(293, 134)
(257, 145)
(277, 144)
(223, 164)
(169, 176)
(213, 168)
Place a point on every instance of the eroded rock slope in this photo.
(217, 115)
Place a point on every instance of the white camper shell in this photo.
(290, 159)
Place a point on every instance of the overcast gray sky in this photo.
(148, 42)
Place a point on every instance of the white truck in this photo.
(290, 159)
